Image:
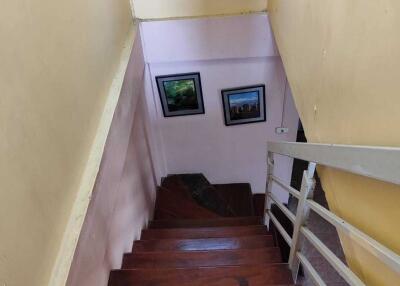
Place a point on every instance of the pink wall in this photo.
(143, 146)
(208, 38)
(228, 52)
(124, 193)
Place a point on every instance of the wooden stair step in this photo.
(190, 223)
(249, 275)
(238, 197)
(200, 190)
(259, 202)
(175, 184)
(191, 259)
(204, 232)
(245, 242)
(170, 204)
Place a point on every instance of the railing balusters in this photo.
(316, 279)
(306, 192)
(267, 205)
(361, 160)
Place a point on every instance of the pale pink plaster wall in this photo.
(143, 146)
(228, 52)
(208, 38)
(124, 193)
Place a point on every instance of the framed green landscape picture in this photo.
(180, 94)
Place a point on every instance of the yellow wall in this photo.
(152, 9)
(342, 58)
(57, 61)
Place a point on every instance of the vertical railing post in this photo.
(306, 192)
(267, 205)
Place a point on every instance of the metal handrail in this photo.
(333, 260)
(389, 257)
(382, 163)
(280, 228)
(310, 270)
(281, 183)
(284, 209)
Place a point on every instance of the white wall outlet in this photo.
(281, 130)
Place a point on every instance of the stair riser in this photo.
(193, 233)
(251, 242)
(222, 222)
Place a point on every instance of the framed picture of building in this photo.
(244, 105)
(180, 94)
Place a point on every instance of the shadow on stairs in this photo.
(203, 234)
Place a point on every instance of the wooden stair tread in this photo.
(249, 275)
(175, 184)
(204, 235)
(190, 259)
(190, 223)
(171, 204)
(200, 190)
(204, 232)
(238, 197)
(246, 242)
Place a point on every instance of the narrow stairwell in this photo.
(196, 242)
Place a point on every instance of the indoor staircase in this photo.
(203, 234)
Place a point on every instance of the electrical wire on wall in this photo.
(282, 128)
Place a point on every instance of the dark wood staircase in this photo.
(193, 242)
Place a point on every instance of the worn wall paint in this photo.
(155, 9)
(342, 59)
(57, 61)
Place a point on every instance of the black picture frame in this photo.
(186, 101)
(244, 105)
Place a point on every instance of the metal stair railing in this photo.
(381, 163)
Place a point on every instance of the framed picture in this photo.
(244, 105)
(180, 94)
